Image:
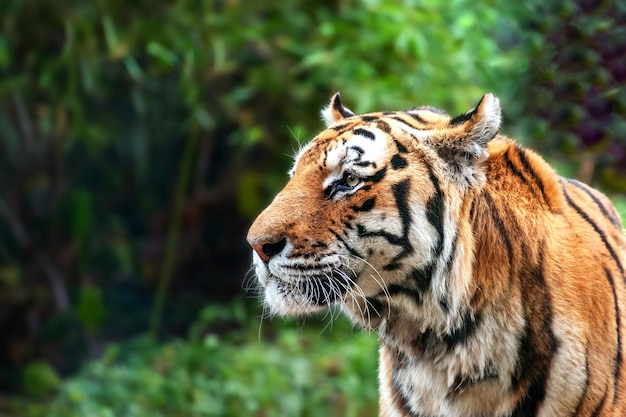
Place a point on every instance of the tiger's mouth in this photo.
(318, 290)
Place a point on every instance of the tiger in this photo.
(495, 286)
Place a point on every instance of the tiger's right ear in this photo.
(335, 111)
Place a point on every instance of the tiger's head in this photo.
(375, 205)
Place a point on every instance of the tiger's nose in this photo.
(268, 247)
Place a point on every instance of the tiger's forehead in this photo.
(360, 144)
(363, 140)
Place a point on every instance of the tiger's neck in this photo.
(465, 335)
(475, 269)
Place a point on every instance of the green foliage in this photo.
(40, 379)
(261, 369)
(90, 309)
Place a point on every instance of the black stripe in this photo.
(350, 249)
(513, 168)
(462, 118)
(363, 132)
(395, 289)
(596, 412)
(358, 150)
(618, 325)
(392, 265)
(463, 332)
(389, 237)
(375, 304)
(401, 147)
(610, 216)
(522, 157)
(422, 277)
(416, 117)
(384, 126)
(434, 211)
(339, 107)
(538, 343)
(378, 175)
(472, 211)
(368, 118)
(366, 206)
(497, 220)
(398, 162)
(534, 396)
(400, 192)
(341, 127)
(595, 227)
(406, 122)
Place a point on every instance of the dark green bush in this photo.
(573, 93)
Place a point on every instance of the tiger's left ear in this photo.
(463, 145)
(477, 127)
(335, 111)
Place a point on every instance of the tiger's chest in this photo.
(433, 376)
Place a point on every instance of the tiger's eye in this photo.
(351, 180)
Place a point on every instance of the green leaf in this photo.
(90, 311)
(110, 35)
(203, 118)
(5, 54)
(82, 214)
(160, 52)
(134, 70)
(40, 379)
(249, 198)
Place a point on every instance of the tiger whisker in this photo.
(354, 290)
(377, 278)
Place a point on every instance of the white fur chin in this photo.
(290, 304)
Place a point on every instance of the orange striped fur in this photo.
(497, 288)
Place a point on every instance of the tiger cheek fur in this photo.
(496, 287)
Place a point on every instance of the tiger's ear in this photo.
(335, 111)
(478, 126)
(463, 144)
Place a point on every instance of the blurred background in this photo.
(139, 139)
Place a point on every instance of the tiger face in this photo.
(322, 240)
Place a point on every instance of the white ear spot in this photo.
(487, 116)
(327, 116)
(335, 111)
